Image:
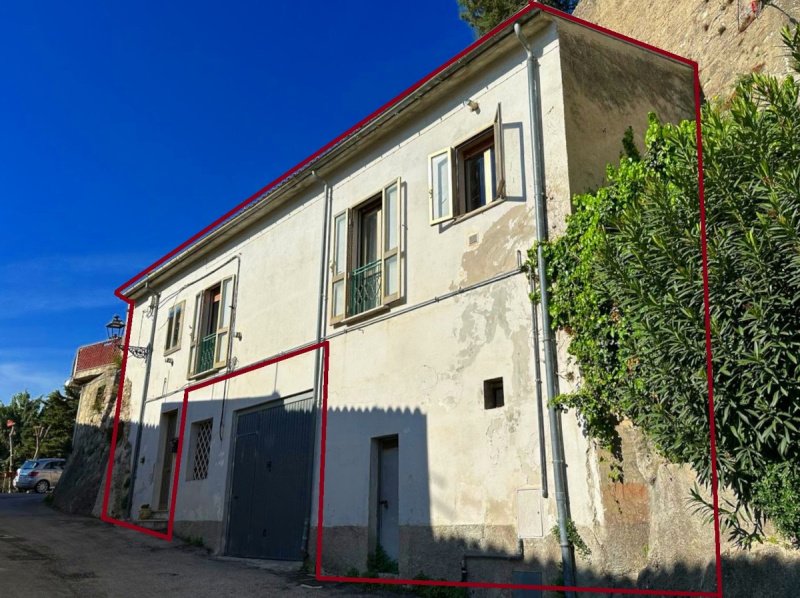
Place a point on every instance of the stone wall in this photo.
(81, 487)
(721, 35)
(648, 533)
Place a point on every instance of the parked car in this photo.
(40, 475)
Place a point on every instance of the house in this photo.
(399, 246)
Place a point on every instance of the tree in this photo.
(54, 414)
(627, 285)
(58, 417)
(25, 411)
(483, 15)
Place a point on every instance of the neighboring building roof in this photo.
(726, 38)
(91, 358)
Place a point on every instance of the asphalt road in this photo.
(50, 554)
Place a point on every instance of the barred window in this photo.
(201, 442)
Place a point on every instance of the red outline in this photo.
(182, 431)
(324, 344)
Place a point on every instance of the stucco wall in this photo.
(276, 310)
(610, 85)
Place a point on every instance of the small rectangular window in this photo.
(201, 449)
(493, 393)
(174, 327)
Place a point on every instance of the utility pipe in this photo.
(320, 336)
(537, 370)
(154, 300)
(540, 203)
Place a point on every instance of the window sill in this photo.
(364, 315)
(480, 210)
(205, 374)
(172, 350)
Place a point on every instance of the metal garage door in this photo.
(270, 491)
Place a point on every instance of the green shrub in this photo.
(627, 286)
(437, 591)
(776, 494)
(380, 562)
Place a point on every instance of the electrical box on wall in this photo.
(529, 513)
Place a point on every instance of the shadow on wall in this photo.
(360, 463)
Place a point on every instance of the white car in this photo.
(40, 475)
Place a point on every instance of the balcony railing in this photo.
(365, 288)
(205, 353)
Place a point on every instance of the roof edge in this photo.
(136, 284)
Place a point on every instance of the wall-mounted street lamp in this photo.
(115, 328)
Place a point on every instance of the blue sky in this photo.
(127, 127)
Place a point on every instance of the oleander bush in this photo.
(627, 285)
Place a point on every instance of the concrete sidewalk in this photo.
(47, 553)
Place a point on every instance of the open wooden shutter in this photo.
(499, 155)
(339, 266)
(440, 185)
(170, 325)
(195, 336)
(390, 269)
(222, 341)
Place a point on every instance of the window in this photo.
(174, 327)
(469, 176)
(201, 449)
(366, 255)
(211, 331)
(493, 393)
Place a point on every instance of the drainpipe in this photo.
(321, 323)
(537, 370)
(154, 300)
(548, 341)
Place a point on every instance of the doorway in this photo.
(169, 450)
(386, 497)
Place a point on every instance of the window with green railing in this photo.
(365, 288)
(366, 255)
(205, 354)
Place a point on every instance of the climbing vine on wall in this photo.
(627, 286)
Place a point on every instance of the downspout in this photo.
(154, 300)
(321, 307)
(548, 341)
(537, 370)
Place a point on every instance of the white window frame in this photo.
(393, 251)
(434, 219)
